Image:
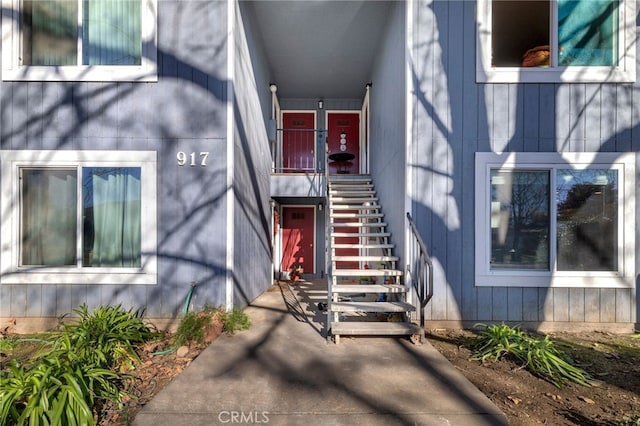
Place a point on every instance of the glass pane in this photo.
(519, 219)
(587, 220)
(588, 32)
(112, 32)
(48, 217)
(111, 214)
(520, 33)
(50, 32)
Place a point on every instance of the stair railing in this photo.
(421, 277)
(327, 230)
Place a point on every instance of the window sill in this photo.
(545, 279)
(127, 276)
(144, 73)
(557, 75)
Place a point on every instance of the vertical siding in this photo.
(252, 165)
(498, 117)
(387, 125)
(184, 111)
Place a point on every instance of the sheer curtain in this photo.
(112, 209)
(112, 32)
(49, 210)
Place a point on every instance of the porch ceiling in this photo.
(319, 48)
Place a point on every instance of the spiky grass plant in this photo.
(66, 384)
(538, 355)
(106, 336)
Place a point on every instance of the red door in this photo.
(344, 137)
(298, 244)
(298, 142)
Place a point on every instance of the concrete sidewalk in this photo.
(282, 371)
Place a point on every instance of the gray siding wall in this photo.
(184, 111)
(388, 124)
(454, 118)
(252, 165)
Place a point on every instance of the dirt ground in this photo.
(160, 362)
(612, 360)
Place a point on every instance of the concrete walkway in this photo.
(282, 371)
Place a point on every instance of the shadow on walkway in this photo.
(283, 371)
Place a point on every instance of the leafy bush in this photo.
(65, 384)
(236, 320)
(195, 325)
(106, 337)
(192, 328)
(539, 356)
(54, 390)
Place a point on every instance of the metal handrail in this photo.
(327, 246)
(422, 278)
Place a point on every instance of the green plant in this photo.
(296, 271)
(67, 383)
(628, 421)
(106, 337)
(539, 356)
(54, 390)
(192, 328)
(235, 320)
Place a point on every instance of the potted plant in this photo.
(296, 271)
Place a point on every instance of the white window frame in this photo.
(624, 277)
(624, 72)
(12, 273)
(13, 70)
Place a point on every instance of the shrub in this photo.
(192, 328)
(539, 356)
(65, 384)
(236, 320)
(197, 326)
(54, 390)
(106, 337)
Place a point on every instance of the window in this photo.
(78, 217)
(555, 220)
(556, 41)
(79, 40)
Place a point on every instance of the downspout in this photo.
(408, 181)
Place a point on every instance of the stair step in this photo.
(368, 288)
(371, 307)
(366, 259)
(367, 273)
(371, 328)
(352, 190)
(349, 178)
(357, 215)
(350, 185)
(356, 207)
(360, 234)
(369, 246)
(358, 224)
(342, 200)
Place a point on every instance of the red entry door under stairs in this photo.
(298, 238)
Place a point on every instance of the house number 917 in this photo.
(193, 159)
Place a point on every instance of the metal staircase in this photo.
(366, 291)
